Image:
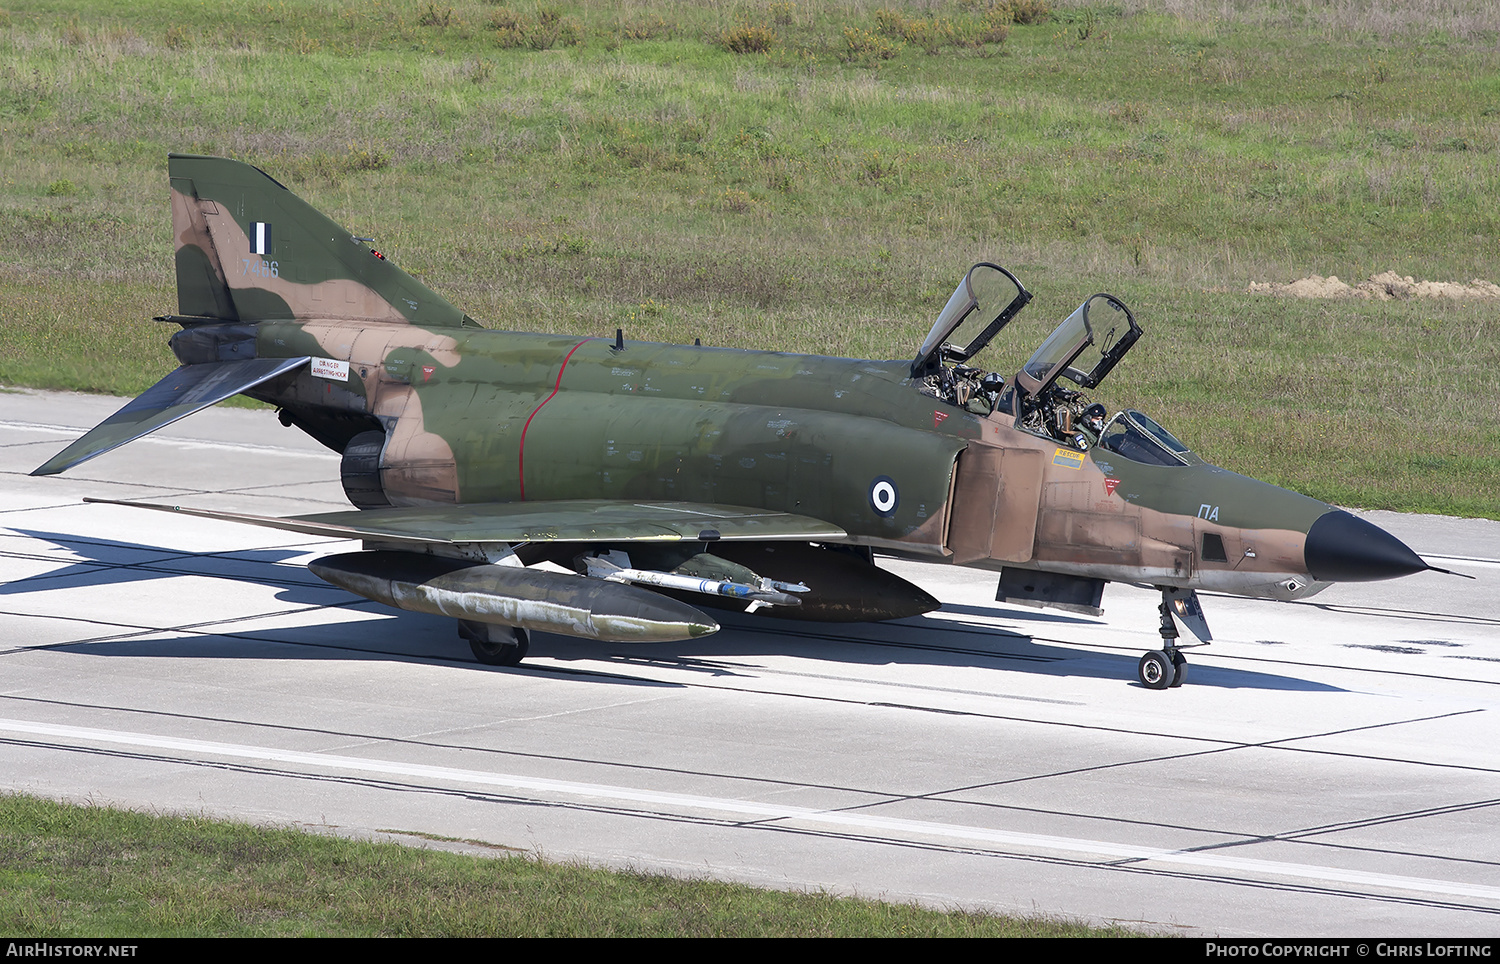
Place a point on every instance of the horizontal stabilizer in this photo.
(180, 394)
(578, 520)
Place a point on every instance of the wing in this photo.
(759, 556)
(577, 520)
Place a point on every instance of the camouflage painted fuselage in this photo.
(479, 416)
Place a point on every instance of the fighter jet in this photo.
(613, 489)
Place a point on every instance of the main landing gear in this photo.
(495, 645)
(1167, 667)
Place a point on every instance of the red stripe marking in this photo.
(521, 455)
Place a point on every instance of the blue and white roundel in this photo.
(883, 496)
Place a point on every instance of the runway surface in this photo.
(1330, 768)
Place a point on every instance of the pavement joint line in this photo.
(771, 824)
(1228, 746)
(387, 739)
(894, 826)
(431, 744)
(204, 628)
(1306, 834)
(199, 628)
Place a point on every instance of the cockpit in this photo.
(1138, 438)
(984, 302)
(1082, 350)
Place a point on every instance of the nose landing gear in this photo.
(1167, 667)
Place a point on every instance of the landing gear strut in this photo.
(495, 645)
(1167, 667)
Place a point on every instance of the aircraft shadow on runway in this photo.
(1030, 615)
(404, 636)
(934, 640)
(105, 562)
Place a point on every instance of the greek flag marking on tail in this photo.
(260, 237)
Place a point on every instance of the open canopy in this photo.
(984, 302)
(1084, 348)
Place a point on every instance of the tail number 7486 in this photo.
(259, 268)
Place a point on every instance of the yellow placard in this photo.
(1068, 457)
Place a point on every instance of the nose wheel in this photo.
(1166, 668)
(1162, 669)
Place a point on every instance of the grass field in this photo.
(70, 871)
(816, 177)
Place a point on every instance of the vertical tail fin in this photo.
(250, 250)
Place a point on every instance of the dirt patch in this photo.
(1388, 286)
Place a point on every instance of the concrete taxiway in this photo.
(1330, 768)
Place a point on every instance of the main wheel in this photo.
(1179, 666)
(1156, 670)
(501, 652)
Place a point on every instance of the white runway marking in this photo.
(839, 819)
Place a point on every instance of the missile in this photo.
(767, 593)
(532, 599)
(830, 585)
(840, 586)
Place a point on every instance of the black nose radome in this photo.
(1343, 548)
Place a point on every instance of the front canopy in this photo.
(1084, 348)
